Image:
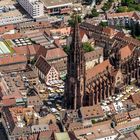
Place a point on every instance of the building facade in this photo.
(57, 7)
(75, 80)
(123, 19)
(33, 7)
(89, 87)
(45, 71)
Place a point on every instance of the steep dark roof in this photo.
(42, 51)
(43, 65)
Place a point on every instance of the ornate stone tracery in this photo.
(81, 91)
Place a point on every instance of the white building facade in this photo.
(34, 7)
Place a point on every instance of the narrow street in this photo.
(3, 135)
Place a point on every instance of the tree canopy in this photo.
(86, 46)
(104, 24)
(71, 21)
(128, 5)
(107, 5)
(94, 13)
(127, 2)
(66, 49)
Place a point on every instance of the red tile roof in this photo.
(125, 52)
(97, 69)
(57, 42)
(82, 33)
(120, 35)
(89, 56)
(14, 67)
(131, 40)
(124, 14)
(41, 51)
(6, 28)
(136, 16)
(134, 113)
(12, 59)
(91, 112)
(8, 102)
(109, 31)
(55, 53)
(120, 117)
(12, 36)
(135, 98)
(54, 127)
(15, 95)
(30, 49)
(45, 135)
(97, 131)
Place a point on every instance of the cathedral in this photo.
(88, 87)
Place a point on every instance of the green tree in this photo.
(130, 9)
(66, 49)
(33, 61)
(94, 13)
(110, 1)
(107, 6)
(87, 47)
(122, 9)
(93, 121)
(127, 2)
(71, 22)
(104, 24)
